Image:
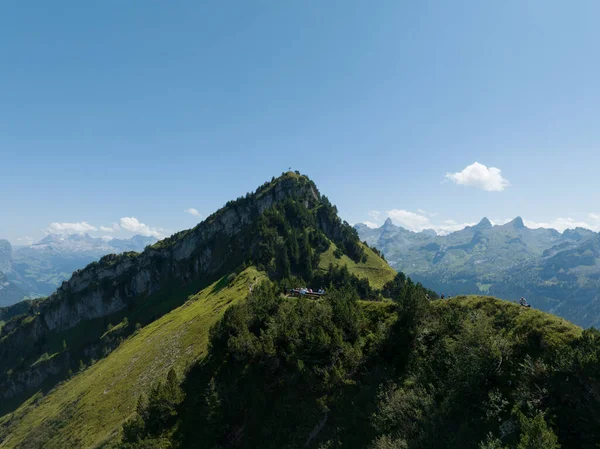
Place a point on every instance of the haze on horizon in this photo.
(136, 118)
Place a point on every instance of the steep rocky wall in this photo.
(87, 288)
(110, 285)
(33, 377)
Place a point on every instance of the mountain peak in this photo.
(80, 238)
(429, 232)
(49, 239)
(236, 236)
(483, 224)
(388, 223)
(578, 233)
(517, 223)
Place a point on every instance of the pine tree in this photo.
(173, 390)
(134, 430)
(142, 406)
(162, 403)
(306, 257)
(283, 262)
(535, 434)
(294, 250)
(491, 443)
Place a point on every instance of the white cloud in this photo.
(193, 212)
(375, 215)
(114, 228)
(450, 226)
(370, 224)
(563, 223)
(25, 240)
(70, 228)
(418, 222)
(409, 220)
(134, 225)
(415, 221)
(424, 212)
(480, 176)
(107, 238)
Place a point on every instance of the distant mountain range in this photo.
(37, 270)
(559, 273)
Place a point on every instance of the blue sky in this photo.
(126, 114)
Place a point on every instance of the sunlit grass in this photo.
(91, 407)
(375, 269)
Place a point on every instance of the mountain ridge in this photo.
(143, 286)
(485, 222)
(509, 260)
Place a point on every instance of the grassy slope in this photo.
(518, 320)
(90, 408)
(375, 268)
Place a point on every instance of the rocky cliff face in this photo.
(39, 269)
(112, 284)
(34, 376)
(104, 288)
(20, 308)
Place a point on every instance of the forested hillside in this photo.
(286, 230)
(472, 372)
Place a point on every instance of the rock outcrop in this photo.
(116, 282)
